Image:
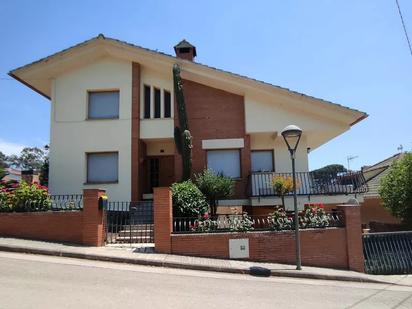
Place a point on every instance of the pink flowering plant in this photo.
(314, 216)
(204, 224)
(279, 220)
(23, 197)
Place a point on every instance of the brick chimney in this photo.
(27, 176)
(185, 50)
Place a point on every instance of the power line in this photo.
(404, 27)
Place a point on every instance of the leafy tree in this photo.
(396, 189)
(332, 169)
(214, 187)
(282, 186)
(2, 172)
(44, 173)
(3, 160)
(30, 158)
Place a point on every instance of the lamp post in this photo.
(291, 134)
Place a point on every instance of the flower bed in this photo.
(22, 197)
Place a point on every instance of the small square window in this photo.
(102, 167)
(103, 105)
(226, 162)
(262, 161)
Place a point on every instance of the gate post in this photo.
(163, 219)
(93, 218)
(353, 228)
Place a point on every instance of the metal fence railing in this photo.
(129, 222)
(66, 202)
(388, 253)
(227, 223)
(309, 183)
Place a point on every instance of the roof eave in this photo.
(28, 85)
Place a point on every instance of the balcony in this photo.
(310, 183)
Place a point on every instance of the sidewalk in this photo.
(133, 255)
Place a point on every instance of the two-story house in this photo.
(113, 115)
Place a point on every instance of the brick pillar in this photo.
(353, 236)
(163, 219)
(93, 218)
(136, 184)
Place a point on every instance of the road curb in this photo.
(156, 263)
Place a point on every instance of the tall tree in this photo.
(396, 189)
(183, 138)
(30, 158)
(3, 160)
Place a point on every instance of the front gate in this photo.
(129, 222)
(388, 253)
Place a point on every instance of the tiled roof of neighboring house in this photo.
(12, 174)
(374, 173)
(102, 37)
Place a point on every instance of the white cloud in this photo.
(9, 148)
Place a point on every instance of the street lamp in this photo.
(291, 134)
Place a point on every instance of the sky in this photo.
(346, 51)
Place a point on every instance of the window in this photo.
(102, 167)
(146, 101)
(262, 161)
(168, 104)
(226, 162)
(157, 103)
(103, 105)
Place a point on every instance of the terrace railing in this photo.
(310, 183)
(228, 223)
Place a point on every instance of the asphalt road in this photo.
(32, 281)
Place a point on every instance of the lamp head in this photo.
(291, 134)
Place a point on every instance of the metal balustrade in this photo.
(309, 183)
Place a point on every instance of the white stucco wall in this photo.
(272, 114)
(72, 135)
(267, 141)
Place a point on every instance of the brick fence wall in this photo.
(81, 227)
(332, 247)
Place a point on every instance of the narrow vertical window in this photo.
(157, 103)
(168, 104)
(146, 101)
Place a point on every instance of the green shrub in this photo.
(214, 187)
(188, 201)
(396, 189)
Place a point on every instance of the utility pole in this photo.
(349, 159)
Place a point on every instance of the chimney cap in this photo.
(185, 44)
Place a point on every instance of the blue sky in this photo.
(350, 52)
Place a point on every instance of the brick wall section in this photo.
(332, 247)
(353, 237)
(214, 114)
(51, 226)
(136, 153)
(81, 227)
(163, 219)
(322, 248)
(372, 210)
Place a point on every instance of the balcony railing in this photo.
(310, 183)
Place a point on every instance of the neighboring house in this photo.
(14, 174)
(372, 209)
(113, 115)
